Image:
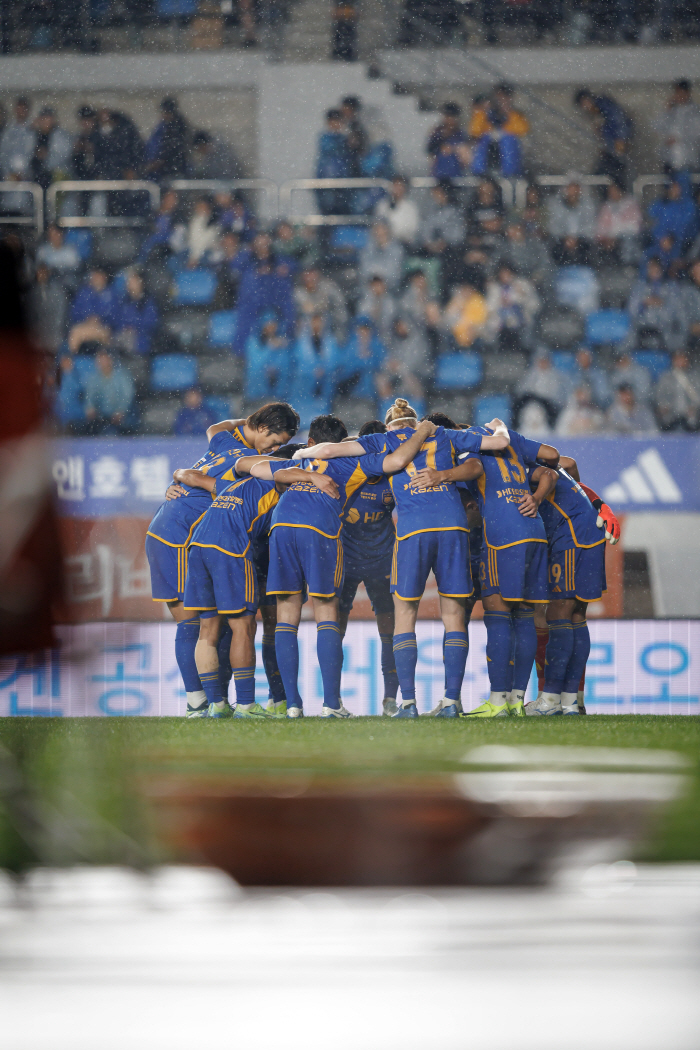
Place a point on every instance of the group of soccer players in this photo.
(260, 523)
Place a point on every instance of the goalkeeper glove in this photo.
(607, 520)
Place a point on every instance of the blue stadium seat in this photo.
(492, 406)
(173, 372)
(606, 326)
(564, 360)
(655, 361)
(81, 241)
(308, 408)
(459, 371)
(577, 286)
(194, 288)
(222, 328)
(219, 406)
(176, 8)
(350, 238)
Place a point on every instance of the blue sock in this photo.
(391, 679)
(210, 685)
(225, 671)
(456, 650)
(244, 677)
(499, 640)
(525, 648)
(406, 657)
(558, 654)
(329, 647)
(186, 637)
(287, 650)
(577, 661)
(269, 659)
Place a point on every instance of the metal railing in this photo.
(266, 186)
(37, 219)
(508, 186)
(319, 218)
(100, 186)
(643, 182)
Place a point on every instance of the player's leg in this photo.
(576, 668)
(452, 570)
(200, 601)
(379, 594)
(557, 656)
(499, 643)
(542, 631)
(329, 649)
(242, 656)
(277, 701)
(524, 654)
(285, 579)
(406, 653)
(206, 654)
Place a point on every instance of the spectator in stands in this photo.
(667, 251)
(334, 161)
(677, 396)
(466, 314)
(84, 158)
(534, 215)
(448, 145)
(265, 285)
(202, 236)
(678, 128)
(420, 307)
(626, 372)
(377, 163)
(618, 226)
(675, 212)
(355, 134)
(52, 149)
(485, 222)
(194, 417)
(545, 383)
(615, 129)
(316, 357)
(407, 364)
(593, 377)
(269, 360)
(17, 142)
(360, 361)
(512, 304)
(47, 307)
(690, 296)
(118, 146)
(572, 251)
(135, 317)
(61, 258)
(581, 417)
(383, 256)
(655, 306)
(297, 244)
(232, 260)
(235, 215)
(70, 397)
(167, 150)
(528, 255)
(441, 232)
(571, 213)
(109, 396)
(158, 241)
(210, 158)
(498, 128)
(380, 306)
(95, 299)
(627, 416)
(318, 295)
(400, 212)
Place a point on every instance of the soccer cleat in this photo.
(294, 712)
(198, 712)
(277, 708)
(336, 712)
(250, 711)
(569, 704)
(516, 704)
(488, 710)
(220, 709)
(581, 705)
(447, 711)
(545, 704)
(407, 711)
(437, 711)
(389, 705)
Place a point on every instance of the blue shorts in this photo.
(517, 573)
(578, 572)
(445, 551)
(301, 556)
(376, 580)
(221, 582)
(168, 565)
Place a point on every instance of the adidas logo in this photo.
(647, 481)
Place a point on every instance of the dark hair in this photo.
(441, 420)
(333, 114)
(276, 418)
(625, 386)
(374, 426)
(352, 102)
(200, 138)
(683, 85)
(87, 113)
(504, 89)
(581, 94)
(287, 451)
(327, 428)
(451, 109)
(169, 105)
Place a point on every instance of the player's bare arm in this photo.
(334, 449)
(225, 424)
(195, 479)
(428, 476)
(498, 440)
(570, 466)
(259, 467)
(545, 479)
(408, 450)
(549, 455)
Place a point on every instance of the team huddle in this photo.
(262, 524)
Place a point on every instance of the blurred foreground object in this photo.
(30, 561)
(511, 817)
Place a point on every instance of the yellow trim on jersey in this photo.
(165, 599)
(589, 600)
(339, 567)
(530, 601)
(213, 546)
(443, 595)
(233, 612)
(241, 438)
(583, 546)
(291, 525)
(515, 543)
(445, 528)
(394, 567)
(200, 608)
(189, 534)
(283, 592)
(312, 594)
(416, 599)
(356, 479)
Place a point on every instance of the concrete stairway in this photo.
(308, 33)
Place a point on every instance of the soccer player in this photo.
(305, 547)
(171, 528)
(222, 584)
(576, 577)
(513, 569)
(432, 534)
(368, 544)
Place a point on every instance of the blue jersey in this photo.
(237, 517)
(175, 519)
(435, 509)
(368, 525)
(303, 506)
(500, 489)
(569, 516)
